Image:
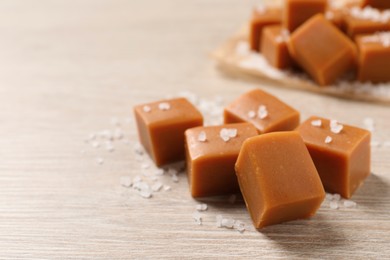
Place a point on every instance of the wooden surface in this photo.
(68, 67)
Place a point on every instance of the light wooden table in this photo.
(68, 67)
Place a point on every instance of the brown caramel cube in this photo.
(278, 179)
(374, 57)
(365, 21)
(262, 16)
(336, 17)
(322, 50)
(266, 112)
(161, 127)
(296, 12)
(341, 153)
(380, 4)
(274, 46)
(211, 153)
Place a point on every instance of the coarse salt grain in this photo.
(125, 181)
(317, 123)
(145, 193)
(157, 186)
(202, 137)
(349, 204)
(164, 106)
(224, 134)
(167, 188)
(201, 207)
(159, 172)
(227, 223)
(336, 128)
(240, 226)
(147, 109)
(137, 179)
(251, 114)
(232, 132)
(334, 205)
(175, 178)
(336, 197)
(99, 161)
(262, 112)
(328, 139)
(197, 217)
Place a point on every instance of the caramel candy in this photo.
(341, 153)
(374, 57)
(278, 179)
(264, 111)
(161, 127)
(262, 16)
(211, 153)
(327, 55)
(296, 12)
(274, 46)
(380, 4)
(336, 17)
(366, 21)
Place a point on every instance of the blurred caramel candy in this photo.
(340, 152)
(327, 55)
(365, 21)
(261, 17)
(161, 127)
(380, 4)
(296, 12)
(274, 47)
(266, 112)
(211, 153)
(278, 179)
(374, 57)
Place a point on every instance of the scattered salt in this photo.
(197, 217)
(201, 207)
(369, 124)
(125, 181)
(137, 179)
(106, 134)
(167, 188)
(227, 222)
(92, 136)
(175, 178)
(328, 139)
(147, 109)
(317, 123)
(164, 106)
(251, 114)
(336, 128)
(145, 166)
(224, 134)
(202, 137)
(157, 186)
(334, 205)
(262, 112)
(240, 226)
(95, 144)
(99, 160)
(145, 193)
(159, 172)
(138, 149)
(232, 132)
(109, 146)
(336, 197)
(349, 204)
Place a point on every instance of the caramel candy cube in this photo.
(274, 47)
(278, 179)
(211, 153)
(262, 16)
(161, 127)
(341, 153)
(326, 55)
(380, 4)
(366, 21)
(266, 112)
(296, 12)
(374, 57)
(336, 17)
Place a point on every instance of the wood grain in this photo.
(68, 67)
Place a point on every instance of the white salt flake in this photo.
(336, 197)
(125, 181)
(328, 196)
(224, 134)
(99, 160)
(202, 137)
(262, 112)
(227, 222)
(251, 114)
(147, 109)
(175, 178)
(328, 139)
(375, 143)
(336, 129)
(164, 106)
(167, 188)
(240, 226)
(137, 179)
(159, 172)
(109, 147)
(145, 193)
(317, 123)
(334, 205)
(197, 217)
(201, 207)
(157, 186)
(232, 132)
(349, 204)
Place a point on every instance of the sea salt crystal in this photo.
(224, 134)
(334, 205)
(147, 109)
(251, 114)
(159, 172)
(175, 178)
(349, 204)
(164, 106)
(99, 160)
(328, 196)
(125, 181)
(336, 197)
(227, 222)
(317, 123)
(201, 207)
(336, 128)
(202, 137)
(137, 179)
(197, 217)
(157, 186)
(262, 112)
(145, 193)
(167, 187)
(240, 226)
(328, 139)
(109, 147)
(232, 132)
